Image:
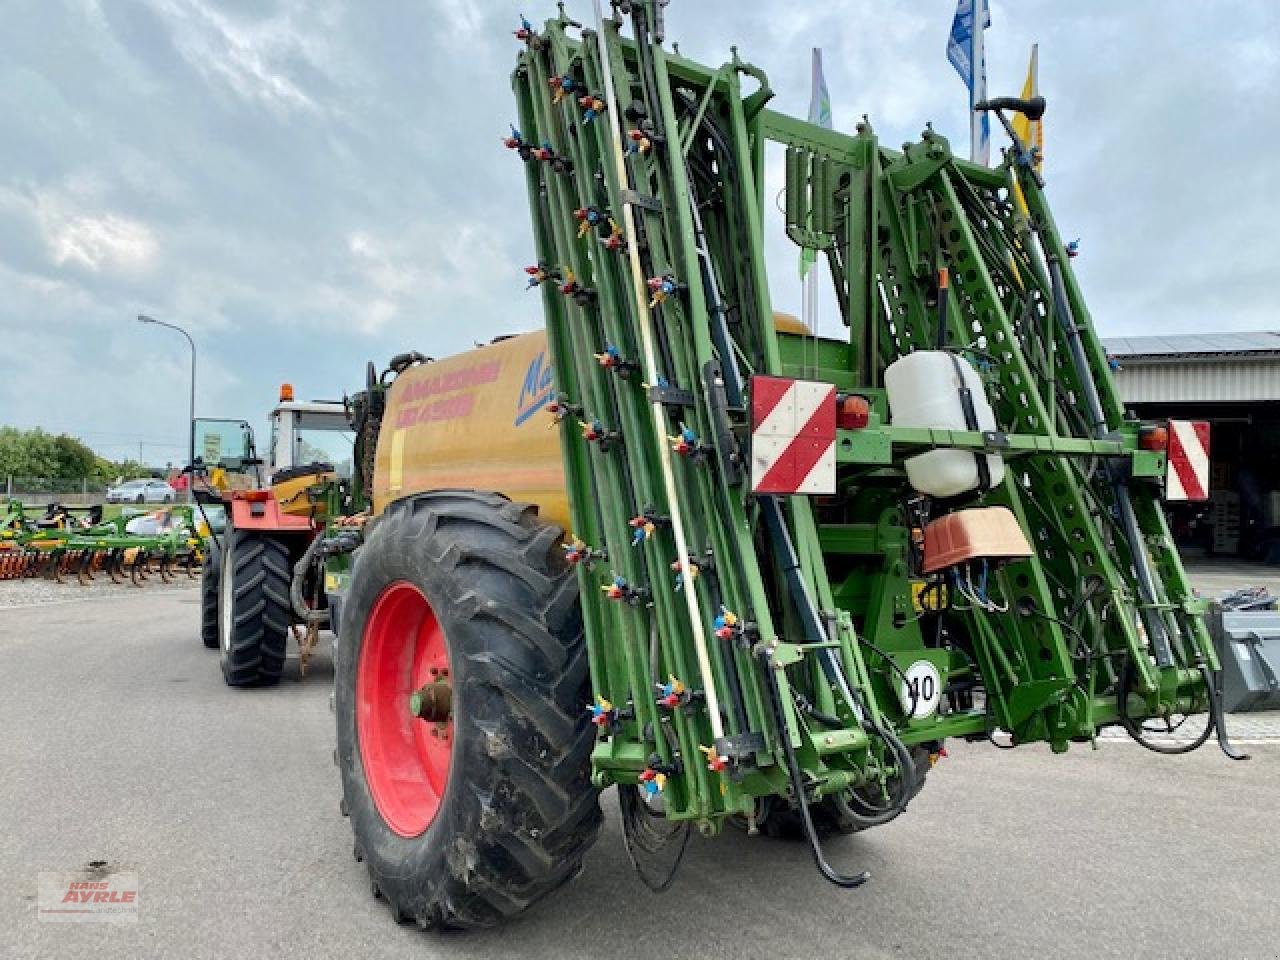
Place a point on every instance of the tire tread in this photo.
(524, 749)
(260, 624)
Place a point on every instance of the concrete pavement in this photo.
(122, 744)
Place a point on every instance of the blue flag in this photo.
(967, 54)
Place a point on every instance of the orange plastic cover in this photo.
(990, 533)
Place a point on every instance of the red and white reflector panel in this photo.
(1187, 476)
(793, 436)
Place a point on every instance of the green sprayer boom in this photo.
(804, 562)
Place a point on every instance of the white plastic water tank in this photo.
(924, 391)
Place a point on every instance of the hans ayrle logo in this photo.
(536, 389)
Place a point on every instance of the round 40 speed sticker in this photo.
(922, 686)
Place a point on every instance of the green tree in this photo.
(37, 454)
(28, 453)
(75, 459)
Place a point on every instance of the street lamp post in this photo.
(191, 431)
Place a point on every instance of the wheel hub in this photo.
(433, 703)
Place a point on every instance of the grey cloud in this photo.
(309, 183)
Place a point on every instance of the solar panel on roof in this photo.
(1193, 343)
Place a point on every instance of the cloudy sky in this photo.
(306, 184)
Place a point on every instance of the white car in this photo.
(142, 491)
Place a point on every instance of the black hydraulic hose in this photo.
(1155, 625)
(1134, 730)
(870, 815)
(915, 694)
(785, 556)
(789, 564)
(797, 784)
(826, 719)
(716, 310)
(1216, 717)
(1215, 724)
(305, 613)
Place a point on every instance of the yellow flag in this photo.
(1030, 132)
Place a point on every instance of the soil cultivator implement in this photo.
(57, 542)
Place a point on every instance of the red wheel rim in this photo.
(405, 759)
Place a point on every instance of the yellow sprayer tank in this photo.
(478, 421)
(475, 421)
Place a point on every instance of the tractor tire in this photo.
(209, 596)
(253, 608)
(470, 816)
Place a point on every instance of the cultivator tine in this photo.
(57, 566)
(84, 573)
(166, 573)
(135, 560)
(115, 566)
(192, 568)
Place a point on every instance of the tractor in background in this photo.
(271, 512)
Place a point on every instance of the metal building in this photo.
(1233, 381)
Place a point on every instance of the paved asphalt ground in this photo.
(121, 743)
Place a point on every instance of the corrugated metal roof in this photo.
(1200, 380)
(1266, 342)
